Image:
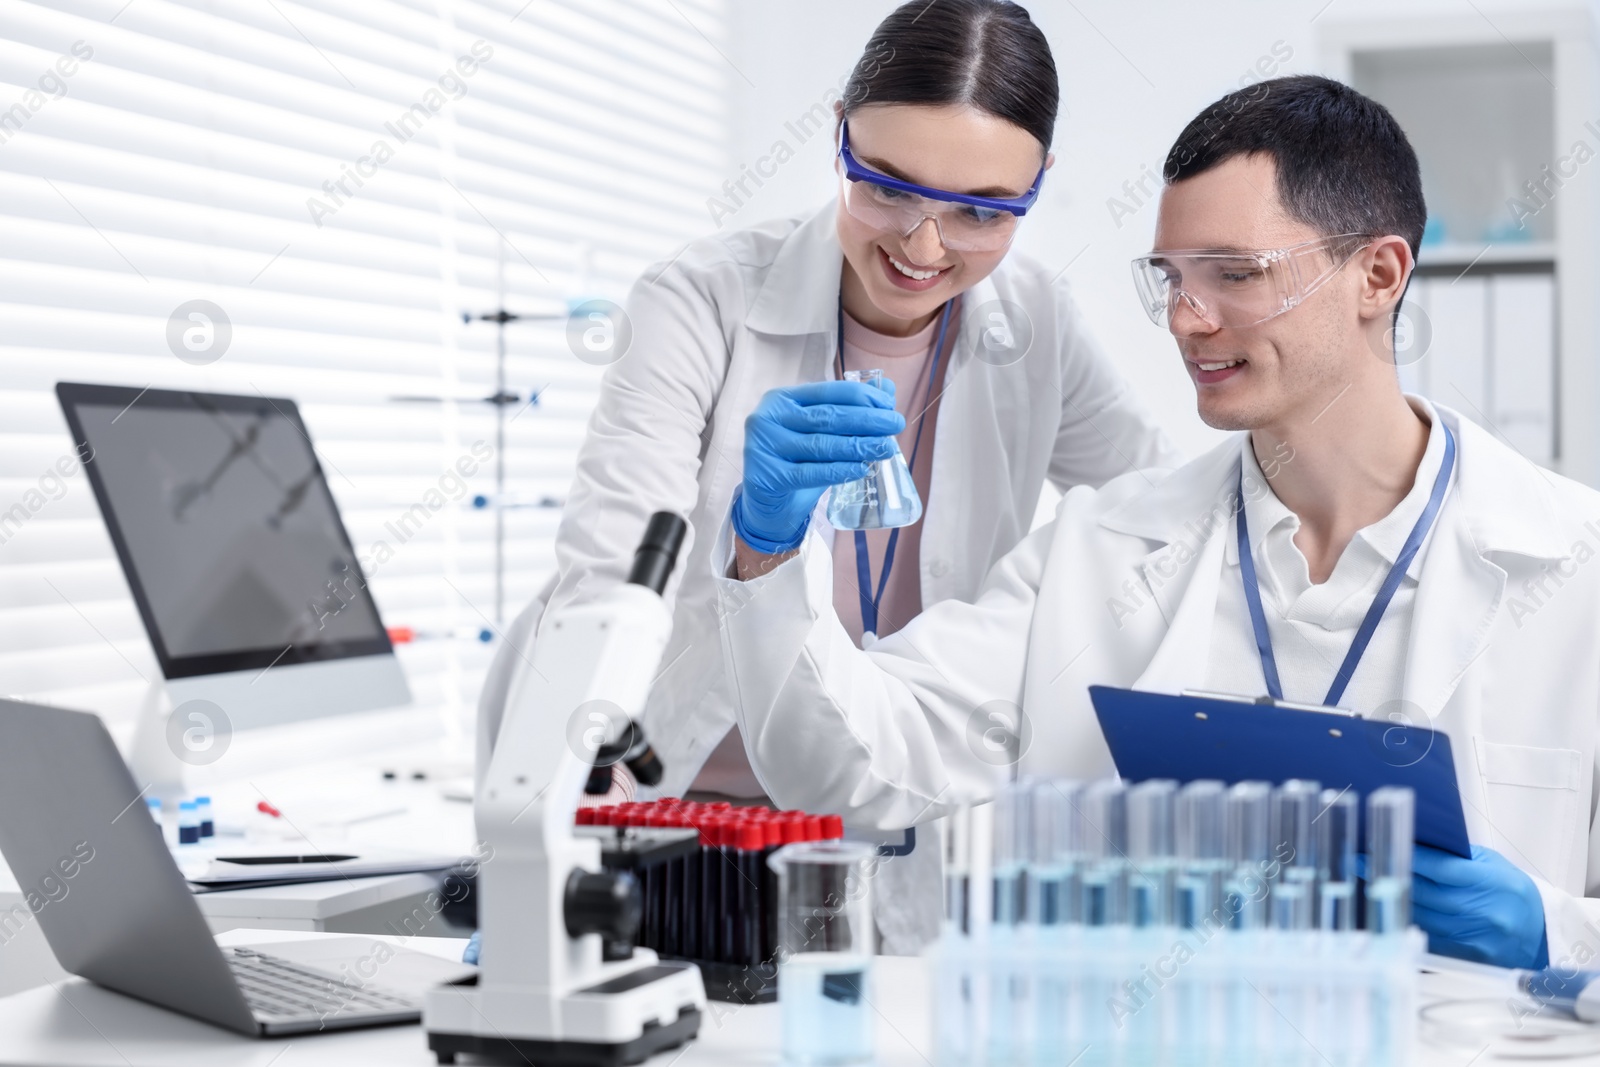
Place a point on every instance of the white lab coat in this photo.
(735, 315)
(1510, 671)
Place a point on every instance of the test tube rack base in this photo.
(733, 983)
(1159, 996)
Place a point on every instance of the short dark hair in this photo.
(985, 53)
(1344, 164)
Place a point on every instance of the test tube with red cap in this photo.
(748, 840)
(774, 829)
(675, 904)
(728, 907)
(710, 883)
(689, 890)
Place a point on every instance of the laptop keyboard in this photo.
(275, 987)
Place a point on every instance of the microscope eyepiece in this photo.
(656, 555)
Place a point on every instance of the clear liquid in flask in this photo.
(886, 497)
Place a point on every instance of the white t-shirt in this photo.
(1312, 626)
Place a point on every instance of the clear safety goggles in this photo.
(1229, 289)
(966, 223)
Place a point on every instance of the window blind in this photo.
(352, 183)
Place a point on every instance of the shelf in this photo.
(1487, 253)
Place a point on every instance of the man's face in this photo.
(1281, 370)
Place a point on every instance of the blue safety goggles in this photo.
(966, 223)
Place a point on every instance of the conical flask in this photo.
(886, 497)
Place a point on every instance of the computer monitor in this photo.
(250, 591)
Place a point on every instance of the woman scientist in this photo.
(943, 142)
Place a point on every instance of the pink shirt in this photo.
(905, 361)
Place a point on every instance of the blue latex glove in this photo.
(1483, 909)
(800, 440)
(470, 954)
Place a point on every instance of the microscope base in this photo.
(568, 1053)
(627, 1016)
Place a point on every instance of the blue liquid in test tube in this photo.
(1152, 850)
(1053, 892)
(1104, 810)
(1338, 823)
(1249, 812)
(1391, 815)
(1010, 991)
(1294, 846)
(1202, 854)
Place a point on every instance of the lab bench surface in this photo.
(334, 806)
(74, 1024)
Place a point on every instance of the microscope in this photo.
(559, 982)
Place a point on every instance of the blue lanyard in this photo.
(1380, 603)
(869, 600)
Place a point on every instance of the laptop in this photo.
(97, 875)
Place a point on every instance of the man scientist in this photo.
(1288, 229)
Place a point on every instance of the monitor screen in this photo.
(225, 527)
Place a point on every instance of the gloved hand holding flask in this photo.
(800, 440)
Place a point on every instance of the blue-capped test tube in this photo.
(1294, 850)
(188, 823)
(1013, 811)
(1391, 817)
(1338, 824)
(1202, 855)
(203, 808)
(153, 806)
(1054, 892)
(1152, 852)
(1103, 826)
(1249, 827)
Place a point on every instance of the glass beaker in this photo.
(886, 497)
(825, 947)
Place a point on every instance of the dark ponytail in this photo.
(984, 53)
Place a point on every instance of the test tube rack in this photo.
(716, 906)
(1092, 996)
(1106, 923)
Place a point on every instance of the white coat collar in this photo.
(1508, 503)
(1170, 509)
(1501, 504)
(1502, 507)
(801, 292)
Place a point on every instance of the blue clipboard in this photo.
(1156, 735)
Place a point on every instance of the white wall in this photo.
(1132, 75)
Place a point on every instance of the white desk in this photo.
(312, 799)
(74, 1024)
